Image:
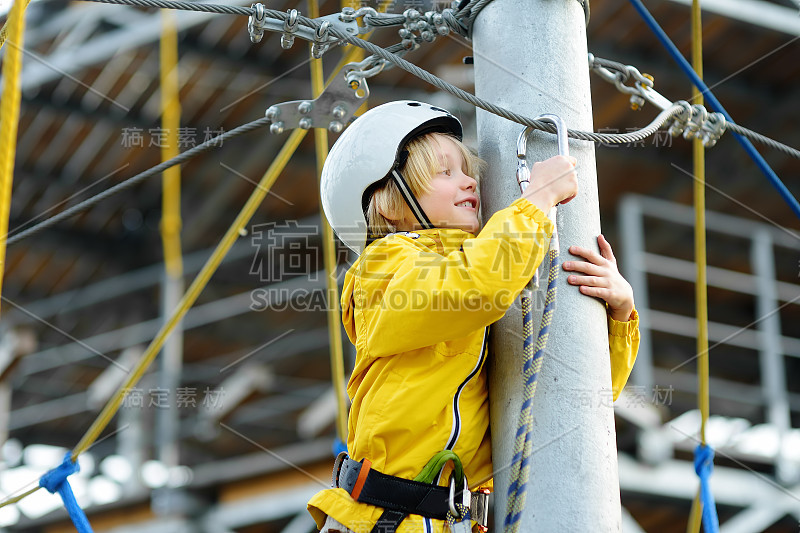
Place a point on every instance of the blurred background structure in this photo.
(253, 406)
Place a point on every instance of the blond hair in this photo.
(421, 165)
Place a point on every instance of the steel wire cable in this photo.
(389, 55)
(185, 6)
(755, 136)
(130, 182)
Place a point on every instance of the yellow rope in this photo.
(4, 31)
(15, 499)
(329, 253)
(110, 409)
(170, 125)
(701, 292)
(9, 119)
(198, 284)
(194, 290)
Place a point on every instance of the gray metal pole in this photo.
(167, 418)
(773, 370)
(531, 57)
(635, 270)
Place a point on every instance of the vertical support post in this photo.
(167, 417)
(635, 271)
(5, 408)
(329, 253)
(531, 57)
(132, 444)
(773, 371)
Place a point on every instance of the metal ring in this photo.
(451, 501)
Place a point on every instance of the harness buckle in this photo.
(479, 508)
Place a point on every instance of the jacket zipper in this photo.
(456, 431)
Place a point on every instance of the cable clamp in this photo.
(712, 129)
(416, 22)
(319, 47)
(255, 23)
(680, 120)
(289, 28)
(695, 123)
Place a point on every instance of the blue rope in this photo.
(533, 357)
(703, 465)
(56, 481)
(338, 447)
(715, 105)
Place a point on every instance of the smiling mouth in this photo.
(467, 203)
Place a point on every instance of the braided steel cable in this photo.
(755, 136)
(455, 23)
(184, 6)
(130, 182)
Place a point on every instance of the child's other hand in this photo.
(602, 279)
(552, 181)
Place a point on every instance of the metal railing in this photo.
(762, 333)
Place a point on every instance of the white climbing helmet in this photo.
(369, 151)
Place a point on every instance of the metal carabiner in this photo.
(466, 497)
(524, 173)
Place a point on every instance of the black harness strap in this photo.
(399, 497)
(389, 521)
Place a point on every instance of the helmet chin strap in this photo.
(412, 202)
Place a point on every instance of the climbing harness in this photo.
(400, 497)
(532, 355)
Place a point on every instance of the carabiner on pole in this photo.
(524, 173)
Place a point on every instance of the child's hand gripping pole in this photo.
(524, 173)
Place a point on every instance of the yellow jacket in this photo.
(416, 307)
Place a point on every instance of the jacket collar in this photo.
(443, 240)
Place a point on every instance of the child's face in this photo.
(453, 200)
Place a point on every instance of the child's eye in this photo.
(446, 172)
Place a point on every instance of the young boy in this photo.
(400, 189)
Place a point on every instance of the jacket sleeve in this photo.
(409, 297)
(623, 342)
